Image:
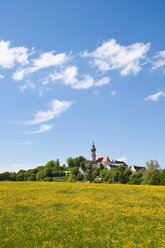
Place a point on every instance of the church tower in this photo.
(93, 153)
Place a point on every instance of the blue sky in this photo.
(74, 72)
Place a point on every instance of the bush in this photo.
(47, 179)
(80, 177)
(97, 181)
(31, 177)
(71, 180)
(136, 178)
(40, 175)
(60, 179)
(58, 173)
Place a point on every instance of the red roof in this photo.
(106, 160)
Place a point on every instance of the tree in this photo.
(154, 178)
(47, 172)
(95, 172)
(162, 177)
(80, 177)
(89, 166)
(152, 165)
(82, 165)
(74, 172)
(21, 176)
(40, 175)
(136, 178)
(70, 162)
(106, 175)
(101, 166)
(78, 160)
(5, 176)
(13, 176)
(53, 165)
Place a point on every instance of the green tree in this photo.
(47, 172)
(40, 175)
(74, 172)
(21, 175)
(53, 165)
(82, 165)
(162, 177)
(101, 166)
(136, 178)
(13, 176)
(89, 166)
(5, 176)
(78, 160)
(152, 165)
(80, 177)
(155, 178)
(31, 177)
(70, 162)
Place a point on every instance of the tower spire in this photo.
(93, 153)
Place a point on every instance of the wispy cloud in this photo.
(56, 107)
(1, 76)
(42, 129)
(103, 81)
(9, 56)
(69, 76)
(110, 56)
(16, 167)
(96, 92)
(27, 85)
(123, 159)
(155, 97)
(20, 143)
(113, 93)
(159, 60)
(45, 60)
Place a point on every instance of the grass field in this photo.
(41, 214)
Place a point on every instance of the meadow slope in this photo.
(41, 214)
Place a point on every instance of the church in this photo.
(109, 164)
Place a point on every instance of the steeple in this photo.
(93, 152)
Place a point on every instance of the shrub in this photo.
(80, 177)
(71, 180)
(47, 179)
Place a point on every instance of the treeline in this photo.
(152, 175)
(75, 170)
(52, 171)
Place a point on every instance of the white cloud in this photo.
(20, 143)
(19, 74)
(45, 60)
(96, 92)
(1, 76)
(113, 93)
(42, 129)
(9, 56)
(69, 77)
(28, 85)
(85, 83)
(103, 81)
(56, 107)
(122, 159)
(16, 167)
(49, 59)
(155, 97)
(112, 56)
(159, 60)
